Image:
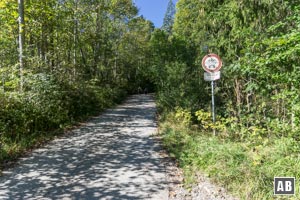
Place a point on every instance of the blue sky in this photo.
(153, 10)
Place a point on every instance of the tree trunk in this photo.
(75, 40)
(21, 40)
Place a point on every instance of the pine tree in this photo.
(169, 17)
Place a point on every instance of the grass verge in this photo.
(245, 169)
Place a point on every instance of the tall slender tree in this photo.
(21, 40)
(169, 17)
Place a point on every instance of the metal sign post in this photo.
(213, 106)
(212, 63)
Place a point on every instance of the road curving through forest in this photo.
(113, 156)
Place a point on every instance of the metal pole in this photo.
(213, 106)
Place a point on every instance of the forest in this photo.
(64, 60)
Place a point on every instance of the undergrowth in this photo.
(33, 117)
(245, 167)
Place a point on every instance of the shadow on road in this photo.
(112, 157)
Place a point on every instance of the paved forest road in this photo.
(111, 157)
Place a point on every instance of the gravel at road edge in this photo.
(204, 189)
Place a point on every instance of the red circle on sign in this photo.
(211, 63)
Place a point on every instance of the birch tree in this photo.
(21, 40)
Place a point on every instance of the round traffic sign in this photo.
(211, 63)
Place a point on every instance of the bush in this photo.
(47, 105)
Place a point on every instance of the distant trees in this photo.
(169, 17)
(73, 40)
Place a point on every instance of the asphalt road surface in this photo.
(113, 156)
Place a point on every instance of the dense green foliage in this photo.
(79, 58)
(258, 42)
(257, 97)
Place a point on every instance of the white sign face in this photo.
(211, 63)
(212, 76)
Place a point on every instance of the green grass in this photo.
(245, 169)
(11, 150)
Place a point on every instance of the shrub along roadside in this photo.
(30, 118)
(245, 168)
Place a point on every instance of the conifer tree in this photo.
(169, 17)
